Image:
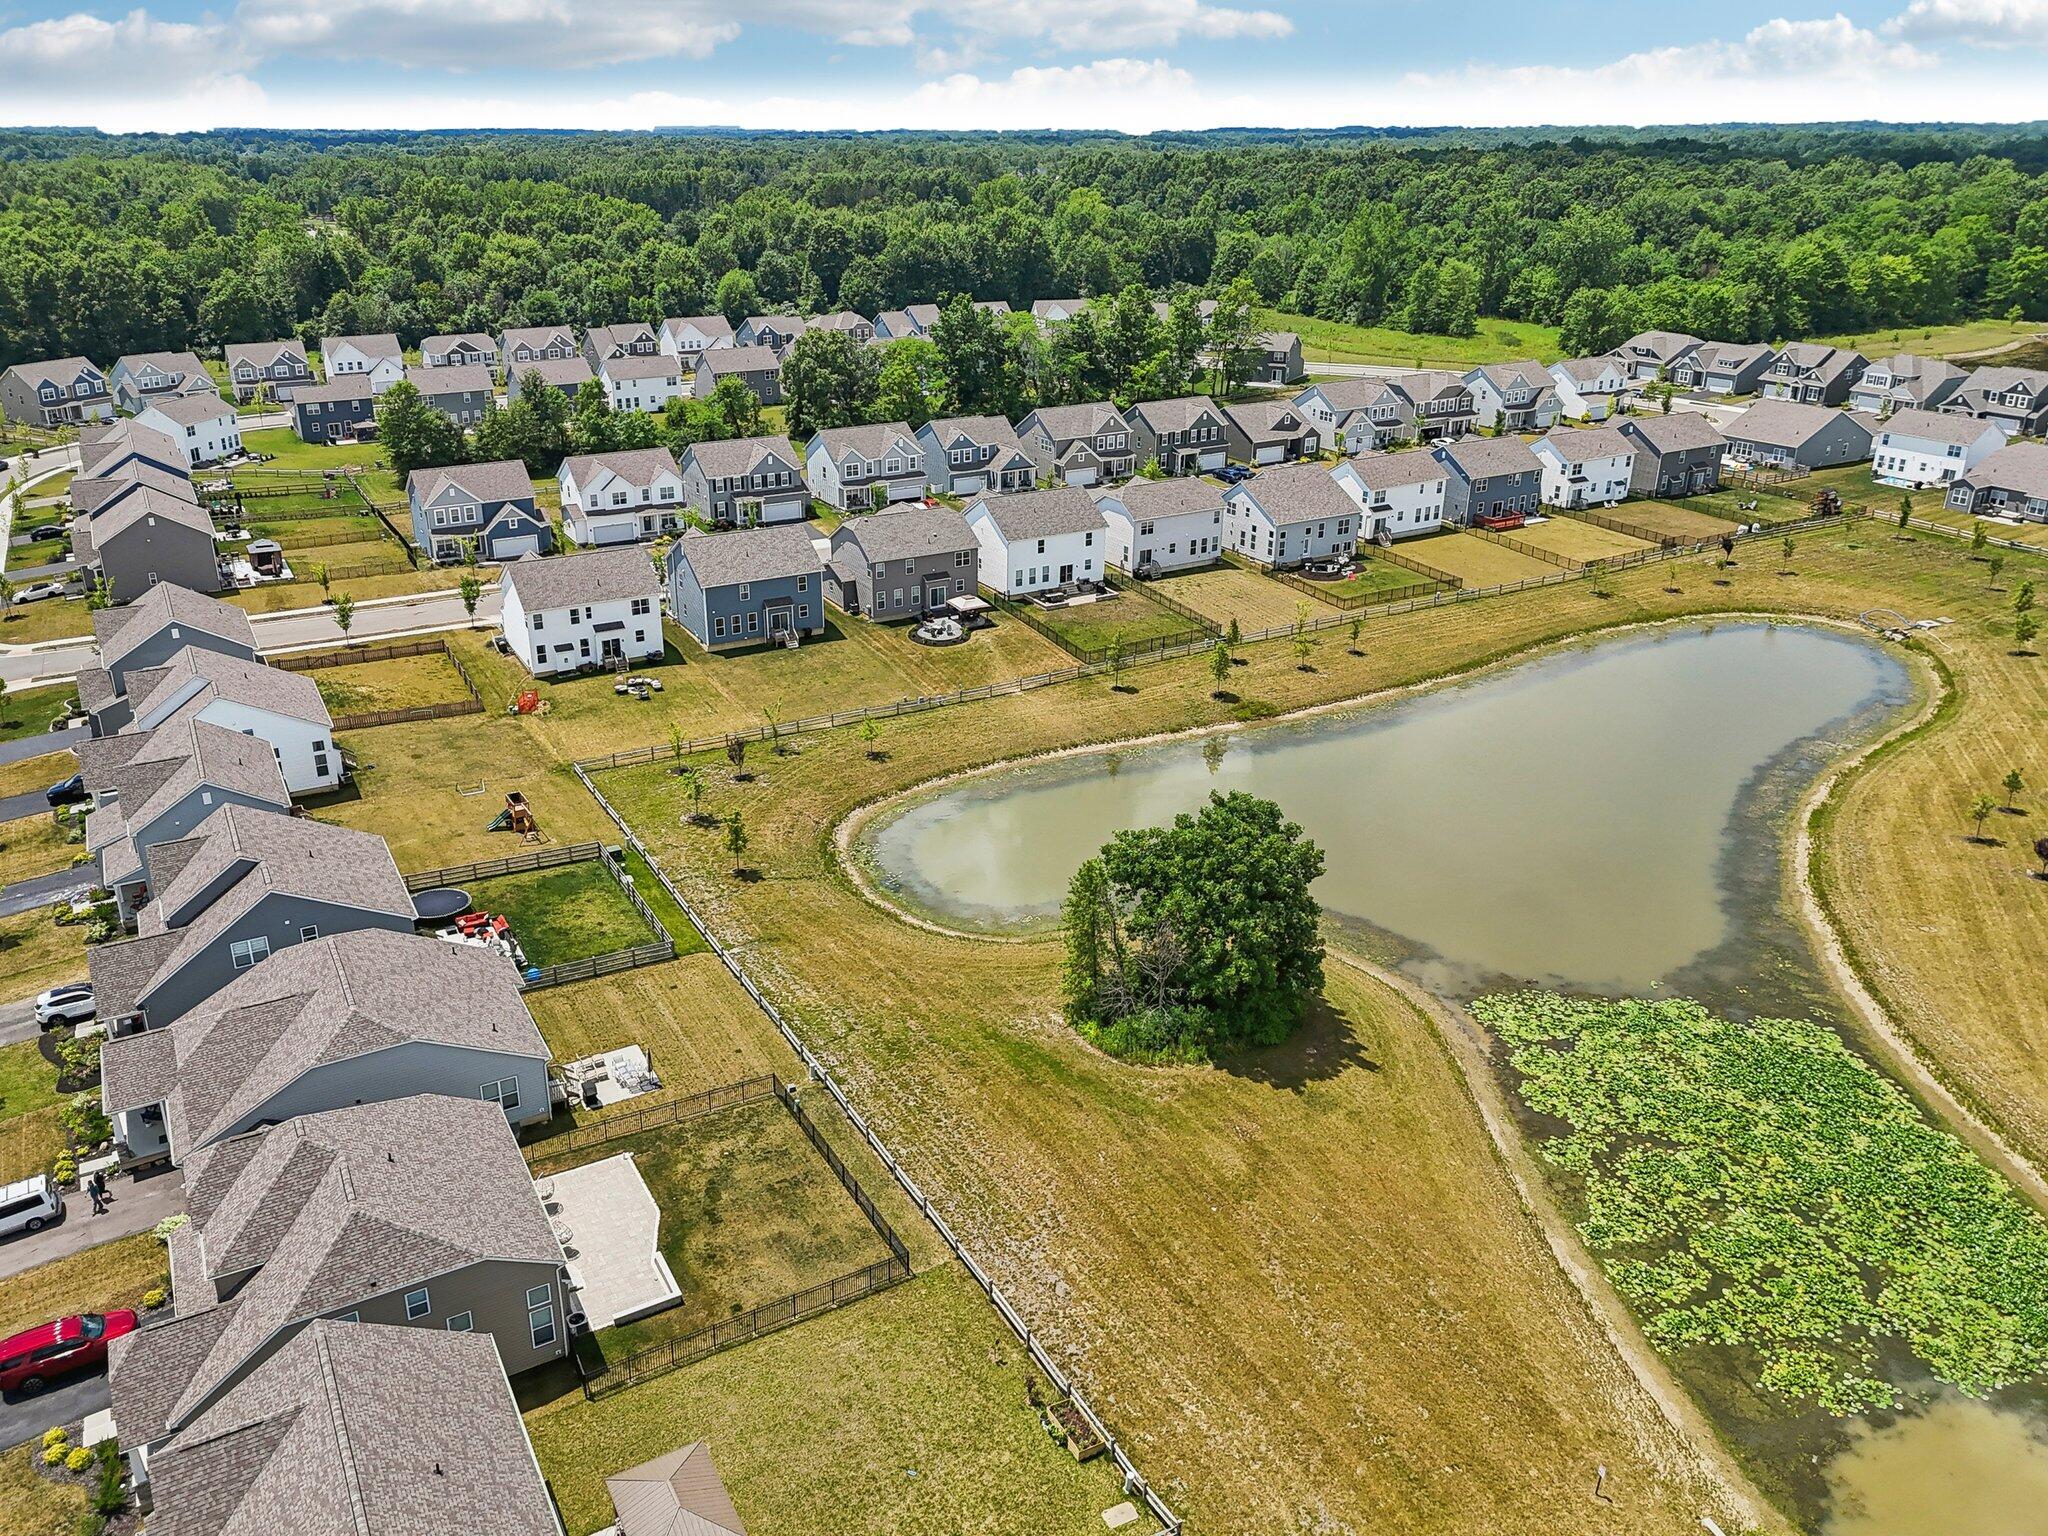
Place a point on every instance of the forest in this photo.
(112, 245)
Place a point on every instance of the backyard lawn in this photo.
(1578, 541)
(1372, 577)
(18, 778)
(1673, 519)
(563, 914)
(402, 682)
(1477, 562)
(36, 953)
(1331, 341)
(1129, 616)
(1257, 602)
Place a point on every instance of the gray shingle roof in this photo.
(1296, 493)
(370, 344)
(476, 339)
(1935, 426)
(906, 534)
(177, 759)
(292, 694)
(839, 320)
(500, 480)
(710, 325)
(1781, 423)
(350, 386)
(120, 630)
(56, 370)
(747, 554)
(1347, 395)
(605, 575)
(94, 493)
(986, 430)
(731, 457)
(1176, 415)
(1679, 432)
(1485, 457)
(1527, 371)
(641, 365)
(1269, 421)
(562, 372)
(1066, 422)
(456, 379)
(98, 444)
(262, 354)
(1583, 370)
(1386, 471)
(2020, 468)
(638, 467)
(189, 410)
(1041, 514)
(1580, 443)
(723, 360)
(110, 522)
(874, 441)
(1175, 497)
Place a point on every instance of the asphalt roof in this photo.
(1935, 426)
(1781, 423)
(905, 534)
(1175, 497)
(721, 360)
(189, 410)
(1385, 471)
(1675, 433)
(455, 379)
(1484, 457)
(605, 575)
(635, 466)
(729, 458)
(499, 480)
(121, 630)
(747, 554)
(1297, 493)
(292, 694)
(679, 1494)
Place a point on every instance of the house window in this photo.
(540, 1316)
(640, 606)
(417, 1304)
(537, 618)
(462, 1322)
(348, 1317)
(504, 1093)
(246, 952)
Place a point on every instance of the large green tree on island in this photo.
(1200, 936)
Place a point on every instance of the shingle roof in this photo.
(1347, 395)
(147, 502)
(1935, 426)
(1485, 457)
(354, 1427)
(262, 354)
(455, 379)
(120, 630)
(990, 430)
(1580, 443)
(1781, 423)
(1387, 471)
(251, 683)
(370, 344)
(1583, 370)
(91, 494)
(98, 444)
(189, 410)
(56, 370)
(476, 339)
(638, 467)
(747, 554)
(184, 364)
(1063, 422)
(608, 574)
(1269, 421)
(679, 1494)
(1679, 432)
(500, 480)
(350, 386)
(1041, 514)
(839, 320)
(2018, 467)
(643, 365)
(1175, 497)
(873, 441)
(729, 458)
(1296, 493)
(1175, 415)
(710, 325)
(174, 760)
(723, 360)
(1528, 371)
(905, 534)
(562, 372)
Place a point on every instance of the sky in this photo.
(1138, 66)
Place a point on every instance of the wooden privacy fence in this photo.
(749, 1090)
(511, 864)
(389, 650)
(364, 719)
(1097, 655)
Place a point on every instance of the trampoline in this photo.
(439, 904)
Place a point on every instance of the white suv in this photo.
(29, 1205)
(71, 1003)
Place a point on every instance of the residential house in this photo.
(341, 411)
(903, 563)
(327, 1429)
(140, 377)
(1160, 526)
(1358, 415)
(689, 336)
(353, 1018)
(746, 587)
(679, 1494)
(745, 481)
(858, 327)
(1652, 354)
(757, 367)
(1906, 382)
(244, 883)
(378, 359)
(1288, 516)
(1036, 541)
(1489, 477)
(146, 538)
(902, 324)
(1585, 466)
(966, 455)
(267, 370)
(204, 426)
(1676, 455)
(861, 468)
(522, 346)
(1186, 436)
(282, 708)
(567, 374)
(1913, 447)
(1725, 367)
(148, 632)
(1813, 373)
(414, 1212)
(1514, 397)
(1442, 403)
(492, 504)
(775, 332)
(1398, 494)
(2015, 398)
(1279, 359)
(94, 494)
(1266, 432)
(1050, 312)
(110, 448)
(55, 392)
(466, 349)
(616, 498)
(633, 338)
(1778, 432)
(2012, 482)
(1589, 388)
(591, 609)
(462, 392)
(1087, 444)
(640, 381)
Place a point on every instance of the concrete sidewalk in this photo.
(136, 1206)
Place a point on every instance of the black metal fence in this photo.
(1099, 655)
(1351, 601)
(546, 1153)
(1420, 567)
(391, 651)
(1524, 547)
(1651, 536)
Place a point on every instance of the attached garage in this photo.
(1270, 453)
(1083, 474)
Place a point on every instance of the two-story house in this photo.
(267, 370)
(56, 392)
(2012, 482)
(1488, 477)
(1288, 516)
(1051, 312)
(139, 377)
(1279, 361)
(966, 455)
(1913, 448)
(567, 375)
(1087, 444)
(1442, 404)
(521, 346)
(464, 349)
(859, 469)
(1358, 415)
(1652, 354)
(377, 359)
(2015, 398)
(592, 609)
(282, 708)
(745, 481)
(619, 497)
(757, 367)
(1397, 494)
(204, 426)
(775, 332)
(462, 392)
(1514, 397)
(686, 337)
(1266, 432)
(342, 410)
(1185, 436)
(642, 381)
(912, 320)
(93, 494)
(1904, 382)
(148, 632)
(1676, 455)
(1160, 526)
(1778, 432)
(859, 327)
(902, 564)
(107, 448)
(630, 338)
(1725, 367)
(492, 504)
(1813, 373)
(146, 538)
(1589, 388)
(1038, 541)
(1585, 466)
(752, 586)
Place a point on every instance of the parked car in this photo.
(1233, 474)
(66, 791)
(72, 1003)
(29, 1205)
(47, 531)
(35, 1357)
(38, 591)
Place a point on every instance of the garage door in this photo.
(512, 549)
(1272, 453)
(969, 485)
(1080, 477)
(1211, 460)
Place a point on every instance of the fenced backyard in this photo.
(1129, 623)
(390, 684)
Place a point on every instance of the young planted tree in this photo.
(470, 589)
(320, 575)
(1905, 516)
(1994, 565)
(675, 745)
(736, 754)
(2024, 628)
(6, 595)
(1232, 636)
(1355, 628)
(2012, 784)
(1118, 661)
(1219, 669)
(2023, 600)
(1981, 807)
(1303, 642)
(1980, 534)
(869, 732)
(101, 596)
(344, 613)
(736, 841)
(1788, 546)
(693, 786)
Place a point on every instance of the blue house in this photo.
(746, 587)
(492, 504)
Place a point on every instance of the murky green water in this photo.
(1604, 818)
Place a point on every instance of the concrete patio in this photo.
(610, 1228)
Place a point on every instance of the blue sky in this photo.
(1136, 65)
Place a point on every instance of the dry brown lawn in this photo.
(1230, 592)
(112, 1274)
(1670, 517)
(29, 773)
(1578, 541)
(36, 953)
(1473, 559)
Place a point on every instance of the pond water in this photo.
(1608, 818)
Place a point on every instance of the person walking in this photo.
(96, 1187)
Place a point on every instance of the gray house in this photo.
(902, 564)
(1906, 382)
(1186, 436)
(1279, 359)
(460, 391)
(113, 447)
(1676, 455)
(1489, 477)
(630, 338)
(2014, 398)
(966, 455)
(353, 1018)
(149, 632)
(759, 368)
(1359, 415)
(567, 374)
(521, 346)
(775, 332)
(745, 481)
(466, 349)
(1813, 373)
(1514, 397)
(1778, 433)
(93, 494)
(146, 538)
(341, 408)
(2013, 482)
(864, 468)
(490, 503)
(1652, 354)
(1725, 367)
(747, 587)
(1087, 444)
(259, 370)
(56, 392)
(138, 377)
(1290, 515)
(1266, 432)
(245, 883)
(417, 1211)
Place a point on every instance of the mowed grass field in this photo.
(400, 682)
(30, 1134)
(572, 912)
(1677, 518)
(1257, 602)
(1474, 560)
(1130, 617)
(1332, 341)
(1971, 336)
(1583, 542)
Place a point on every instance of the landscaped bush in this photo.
(79, 1459)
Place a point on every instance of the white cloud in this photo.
(1988, 23)
(1089, 26)
(61, 66)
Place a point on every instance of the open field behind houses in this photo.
(401, 682)
(1257, 602)
(1679, 519)
(1332, 341)
(1473, 559)
(1578, 541)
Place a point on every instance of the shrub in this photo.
(167, 1226)
(83, 1120)
(79, 1459)
(154, 1297)
(53, 1454)
(64, 1169)
(56, 1435)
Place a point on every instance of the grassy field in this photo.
(680, 928)
(1331, 341)
(54, 618)
(1479, 563)
(901, 1415)
(1940, 340)
(1130, 617)
(1257, 602)
(29, 1132)
(402, 682)
(276, 597)
(34, 845)
(32, 1505)
(29, 773)
(1678, 518)
(36, 953)
(1578, 541)
(114, 1274)
(558, 915)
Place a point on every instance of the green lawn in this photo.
(27, 1082)
(564, 914)
(680, 928)
(403, 682)
(1371, 576)
(24, 557)
(1131, 617)
(36, 952)
(29, 712)
(1332, 341)
(1939, 340)
(289, 453)
(34, 1505)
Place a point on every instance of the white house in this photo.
(1589, 388)
(1398, 494)
(1033, 541)
(685, 337)
(617, 498)
(844, 466)
(379, 358)
(584, 610)
(204, 427)
(635, 381)
(1282, 517)
(282, 708)
(1585, 466)
(1157, 526)
(1916, 447)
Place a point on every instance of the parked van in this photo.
(29, 1205)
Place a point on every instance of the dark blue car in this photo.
(66, 791)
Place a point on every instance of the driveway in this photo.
(46, 890)
(137, 1205)
(28, 803)
(25, 1418)
(23, 748)
(62, 568)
